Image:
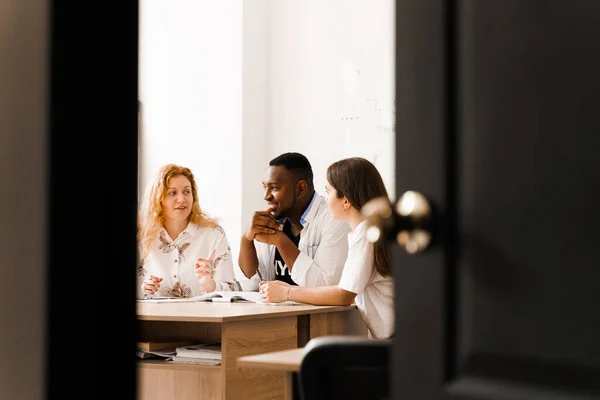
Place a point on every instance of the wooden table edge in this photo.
(284, 360)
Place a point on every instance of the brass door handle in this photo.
(409, 221)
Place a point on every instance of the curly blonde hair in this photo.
(151, 217)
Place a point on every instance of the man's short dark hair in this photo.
(297, 163)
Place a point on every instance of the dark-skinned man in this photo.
(295, 239)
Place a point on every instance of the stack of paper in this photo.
(144, 354)
(158, 349)
(205, 353)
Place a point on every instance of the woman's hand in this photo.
(204, 272)
(274, 291)
(151, 284)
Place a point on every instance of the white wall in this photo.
(255, 111)
(190, 86)
(329, 61)
(227, 86)
(24, 110)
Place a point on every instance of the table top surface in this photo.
(222, 312)
(285, 360)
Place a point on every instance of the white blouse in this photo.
(374, 293)
(174, 261)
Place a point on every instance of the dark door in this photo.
(499, 127)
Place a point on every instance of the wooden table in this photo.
(286, 360)
(243, 329)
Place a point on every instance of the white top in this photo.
(374, 293)
(174, 260)
(323, 250)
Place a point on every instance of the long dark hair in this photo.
(359, 180)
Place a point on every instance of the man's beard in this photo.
(284, 213)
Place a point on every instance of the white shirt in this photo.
(374, 293)
(323, 250)
(174, 260)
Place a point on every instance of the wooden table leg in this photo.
(341, 323)
(242, 338)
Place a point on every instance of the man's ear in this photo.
(301, 188)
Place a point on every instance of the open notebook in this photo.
(219, 296)
(227, 297)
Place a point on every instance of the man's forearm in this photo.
(289, 252)
(247, 259)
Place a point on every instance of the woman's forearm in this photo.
(321, 295)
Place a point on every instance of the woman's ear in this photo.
(347, 204)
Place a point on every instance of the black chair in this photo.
(345, 367)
